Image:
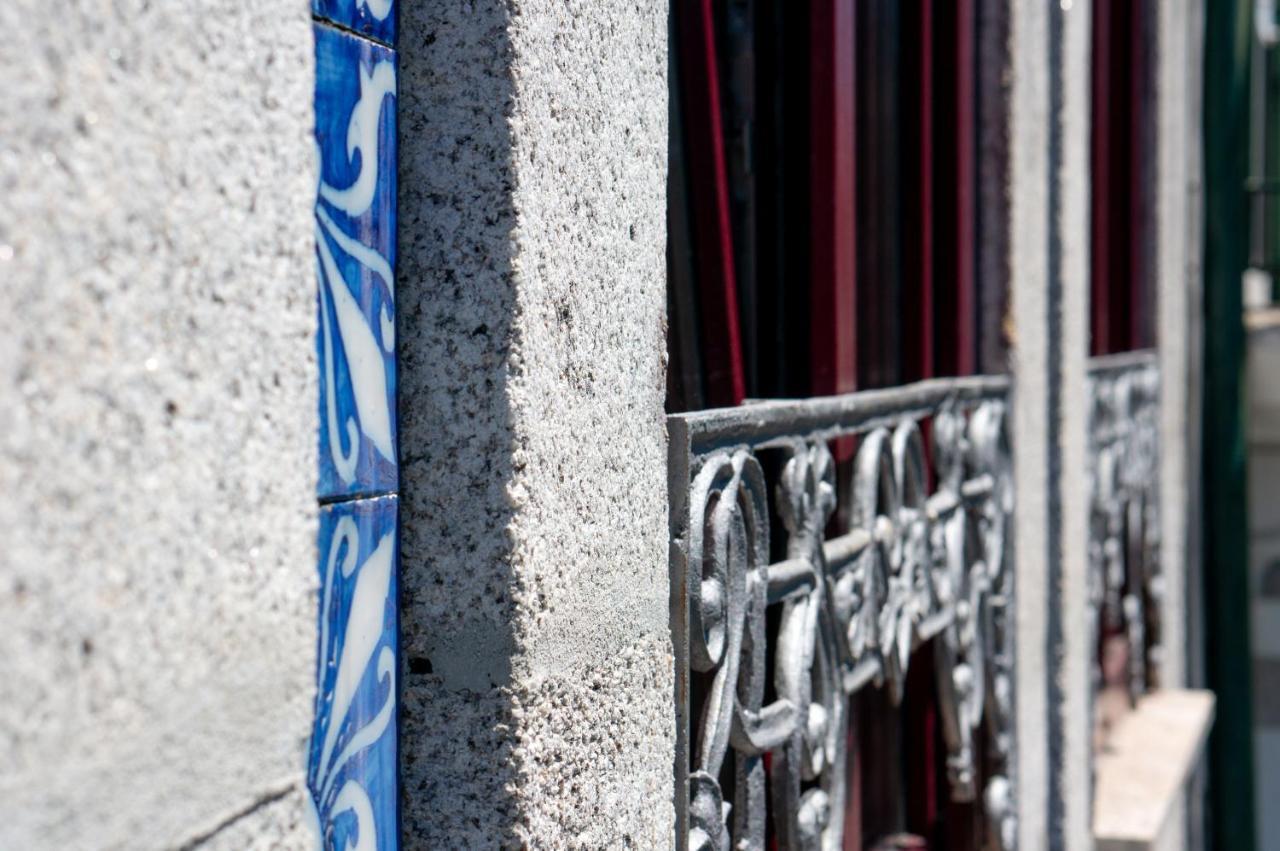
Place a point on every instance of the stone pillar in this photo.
(1029, 112)
(1069, 279)
(538, 704)
(157, 424)
(1180, 314)
(1049, 241)
(1180, 317)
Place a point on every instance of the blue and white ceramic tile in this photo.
(355, 252)
(374, 18)
(352, 766)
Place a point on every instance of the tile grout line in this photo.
(343, 28)
(338, 499)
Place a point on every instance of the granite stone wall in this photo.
(537, 667)
(157, 423)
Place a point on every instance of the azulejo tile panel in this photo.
(352, 768)
(352, 765)
(355, 254)
(373, 18)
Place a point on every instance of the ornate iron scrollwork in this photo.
(924, 558)
(1125, 583)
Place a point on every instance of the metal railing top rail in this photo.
(1122, 362)
(770, 423)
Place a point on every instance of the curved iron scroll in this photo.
(1125, 582)
(925, 558)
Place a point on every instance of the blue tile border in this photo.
(375, 19)
(352, 769)
(356, 255)
(353, 759)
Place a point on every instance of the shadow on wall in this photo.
(456, 299)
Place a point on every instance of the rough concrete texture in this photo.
(1071, 232)
(277, 823)
(1029, 222)
(157, 424)
(538, 688)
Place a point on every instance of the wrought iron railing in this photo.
(1125, 582)
(777, 620)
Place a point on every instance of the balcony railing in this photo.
(777, 619)
(1125, 582)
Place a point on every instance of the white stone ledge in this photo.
(1145, 765)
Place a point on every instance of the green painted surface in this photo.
(1228, 38)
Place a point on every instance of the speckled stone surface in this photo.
(157, 422)
(537, 687)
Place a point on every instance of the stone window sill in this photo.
(1144, 768)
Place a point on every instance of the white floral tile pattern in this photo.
(355, 254)
(352, 768)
